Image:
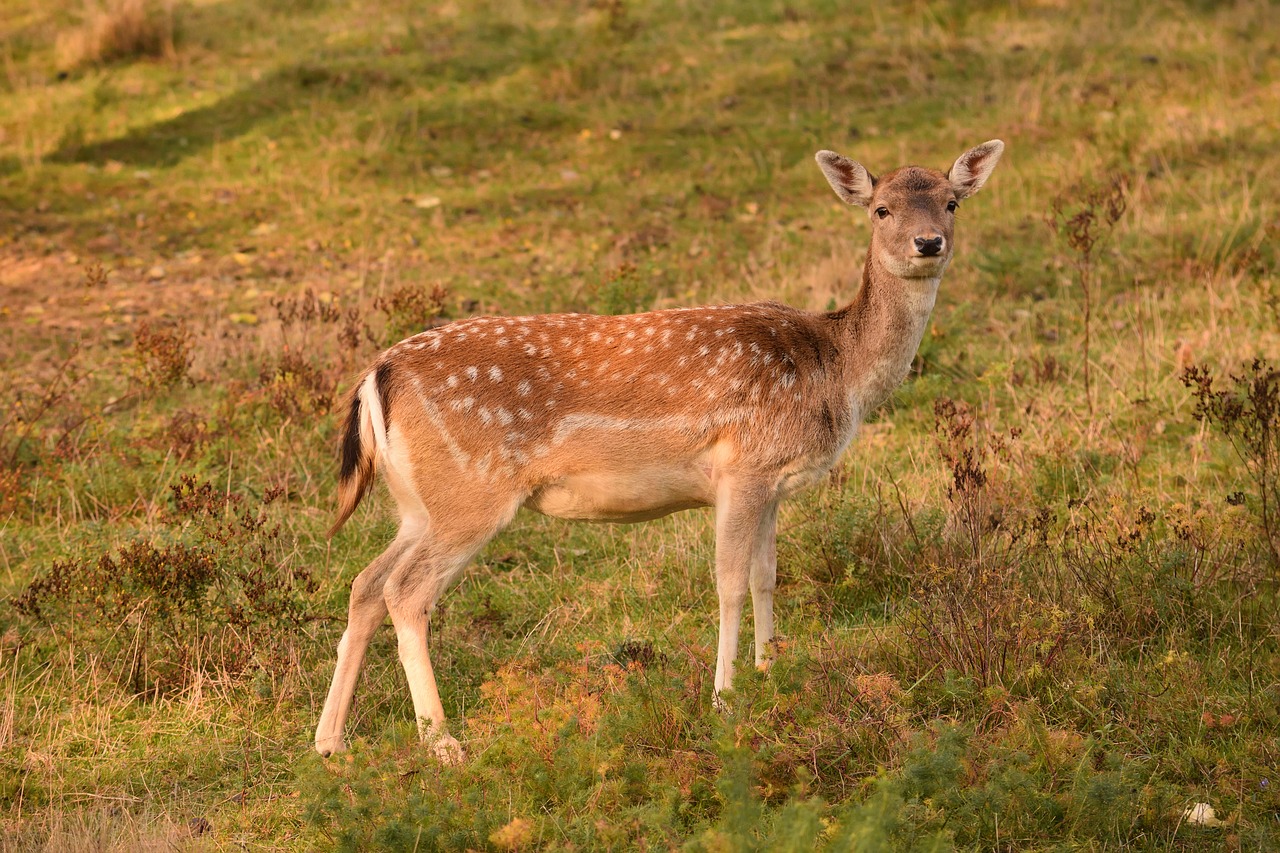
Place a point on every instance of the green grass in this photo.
(531, 157)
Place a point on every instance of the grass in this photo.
(122, 29)
(199, 249)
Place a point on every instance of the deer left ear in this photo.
(974, 166)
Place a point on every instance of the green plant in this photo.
(621, 291)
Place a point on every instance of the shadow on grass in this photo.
(456, 58)
(168, 142)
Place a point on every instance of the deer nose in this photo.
(929, 246)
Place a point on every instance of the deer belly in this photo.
(624, 495)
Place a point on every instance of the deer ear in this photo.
(849, 179)
(974, 166)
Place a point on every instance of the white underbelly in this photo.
(624, 495)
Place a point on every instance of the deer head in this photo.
(913, 208)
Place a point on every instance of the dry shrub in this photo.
(10, 487)
(303, 315)
(162, 353)
(295, 388)
(1245, 408)
(187, 433)
(1085, 218)
(412, 309)
(118, 29)
(39, 414)
(976, 611)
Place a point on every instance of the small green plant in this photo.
(622, 291)
(1247, 412)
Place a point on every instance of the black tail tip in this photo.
(351, 442)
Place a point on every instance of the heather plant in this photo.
(215, 598)
(978, 612)
(295, 387)
(302, 315)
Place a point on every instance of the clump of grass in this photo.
(118, 29)
(109, 829)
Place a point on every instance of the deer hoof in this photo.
(328, 746)
(448, 751)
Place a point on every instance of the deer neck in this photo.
(881, 331)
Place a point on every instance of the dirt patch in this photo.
(47, 298)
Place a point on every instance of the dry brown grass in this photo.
(118, 29)
(107, 828)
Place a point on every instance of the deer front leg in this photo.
(764, 577)
(742, 510)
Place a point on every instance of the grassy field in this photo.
(1035, 607)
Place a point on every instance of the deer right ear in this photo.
(848, 178)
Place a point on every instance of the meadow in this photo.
(1034, 608)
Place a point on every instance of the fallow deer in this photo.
(630, 418)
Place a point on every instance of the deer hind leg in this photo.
(365, 613)
(764, 577)
(742, 511)
(423, 574)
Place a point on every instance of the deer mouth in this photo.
(924, 266)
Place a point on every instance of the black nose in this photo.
(929, 247)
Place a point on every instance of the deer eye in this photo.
(882, 212)
(952, 205)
